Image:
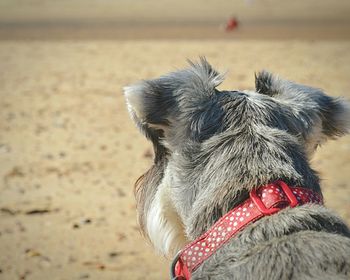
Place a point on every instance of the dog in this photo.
(213, 150)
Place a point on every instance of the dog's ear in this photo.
(159, 103)
(264, 83)
(320, 115)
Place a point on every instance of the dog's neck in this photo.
(225, 183)
(195, 202)
(264, 201)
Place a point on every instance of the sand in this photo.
(69, 154)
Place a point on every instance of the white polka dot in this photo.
(264, 195)
(248, 214)
(235, 223)
(189, 253)
(223, 234)
(203, 244)
(193, 258)
(200, 254)
(229, 229)
(218, 240)
(270, 191)
(244, 209)
(238, 213)
(207, 249)
(214, 233)
(209, 239)
(241, 219)
(212, 245)
(231, 219)
(251, 205)
(219, 228)
(196, 248)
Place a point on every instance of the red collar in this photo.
(263, 201)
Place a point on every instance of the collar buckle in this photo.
(174, 273)
(292, 200)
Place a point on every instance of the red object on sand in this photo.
(231, 24)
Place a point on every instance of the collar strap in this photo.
(263, 201)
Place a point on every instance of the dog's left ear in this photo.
(158, 104)
(309, 105)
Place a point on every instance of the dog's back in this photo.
(306, 242)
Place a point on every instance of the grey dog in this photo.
(213, 147)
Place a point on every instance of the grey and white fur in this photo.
(212, 147)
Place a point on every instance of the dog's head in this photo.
(211, 146)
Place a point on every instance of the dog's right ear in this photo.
(264, 83)
(318, 115)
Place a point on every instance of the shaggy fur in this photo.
(212, 147)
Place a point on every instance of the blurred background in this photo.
(144, 19)
(69, 154)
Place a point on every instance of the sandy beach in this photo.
(69, 154)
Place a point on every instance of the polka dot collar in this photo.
(263, 201)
